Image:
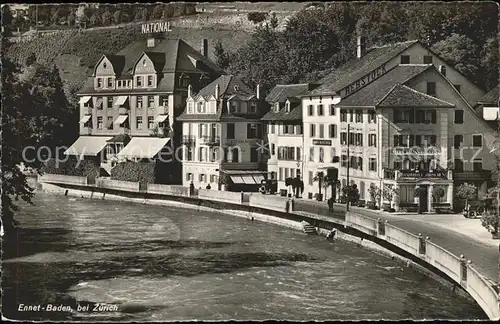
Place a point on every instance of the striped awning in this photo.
(237, 179)
(87, 145)
(120, 100)
(121, 119)
(85, 119)
(161, 118)
(85, 99)
(143, 147)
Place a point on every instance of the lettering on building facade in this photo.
(322, 142)
(159, 27)
(366, 79)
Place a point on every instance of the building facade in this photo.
(285, 133)
(131, 100)
(223, 137)
(398, 117)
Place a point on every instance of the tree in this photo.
(168, 11)
(71, 19)
(6, 16)
(222, 59)
(273, 22)
(157, 12)
(55, 17)
(257, 17)
(437, 193)
(95, 20)
(106, 18)
(466, 191)
(375, 194)
(31, 59)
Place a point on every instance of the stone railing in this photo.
(270, 202)
(225, 196)
(482, 291)
(402, 239)
(63, 179)
(169, 190)
(444, 261)
(118, 185)
(362, 223)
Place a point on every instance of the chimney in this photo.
(217, 88)
(204, 47)
(258, 91)
(190, 90)
(361, 46)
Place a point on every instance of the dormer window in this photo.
(277, 107)
(139, 81)
(110, 82)
(104, 65)
(99, 82)
(144, 62)
(253, 108)
(236, 88)
(150, 80)
(201, 107)
(232, 107)
(287, 107)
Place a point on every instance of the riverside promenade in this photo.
(450, 231)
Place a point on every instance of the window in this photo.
(332, 130)
(202, 177)
(477, 140)
(351, 113)
(151, 122)
(201, 154)
(110, 102)
(310, 110)
(213, 178)
(320, 110)
(359, 139)
(343, 138)
(354, 161)
(311, 154)
(272, 129)
(139, 122)
(230, 131)
(459, 116)
(442, 69)
(360, 163)
(372, 117)
(99, 122)
(151, 101)
(311, 177)
(254, 155)
(110, 122)
(321, 131)
(286, 173)
(343, 115)
(359, 116)
(232, 108)
(459, 165)
(280, 174)
(110, 82)
(312, 130)
(343, 161)
(321, 154)
(99, 82)
(333, 155)
(405, 59)
(372, 140)
(457, 86)
(139, 102)
(150, 80)
(253, 108)
(427, 59)
(431, 88)
(477, 165)
(200, 107)
(164, 101)
(372, 164)
(298, 155)
(332, 110)
(189, 176)
(190, 153)
(138, 81)
(432, 116)
(457, 141)
(253, 131)
(273, 149)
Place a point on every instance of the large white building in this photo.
(410, 123)
(222, 134)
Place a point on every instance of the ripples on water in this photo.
(166, 263)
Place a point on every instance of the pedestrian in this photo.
(208, 186)
(191, 187)
(330, 205)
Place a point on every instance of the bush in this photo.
(72, 167)
(143, 172)
(490, 222)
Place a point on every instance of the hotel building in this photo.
(130, 101)
(222, 136)
(406, 118)
(285, 133)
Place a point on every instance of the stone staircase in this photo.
(309, 229)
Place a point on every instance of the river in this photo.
(169, 263)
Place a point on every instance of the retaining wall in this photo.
(60, 178)
(226, 196)
(117, 185)
(169, 190)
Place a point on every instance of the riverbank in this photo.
(343, 233)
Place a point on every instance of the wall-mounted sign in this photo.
(242, 141)
(364, 80)
(415, 151)
(322, 142)
(158, 27)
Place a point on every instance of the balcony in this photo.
(211, 140)
(188, 140)
(482, 175)
(417, 174)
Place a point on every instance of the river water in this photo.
(162, 263)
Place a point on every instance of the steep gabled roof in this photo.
(227, 84)
(491, 97)
(281, 92)
(295, 114)
(118, 62)
(357, 68)
(371, 94)
(403, 96)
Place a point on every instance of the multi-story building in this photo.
(222, 134)
(403, 118)
(130, 101)
(284, 132)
